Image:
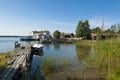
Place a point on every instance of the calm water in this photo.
(7, 43)
(75, 56)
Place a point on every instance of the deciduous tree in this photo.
(83, 29)
(56, 34)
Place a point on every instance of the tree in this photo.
(83, 29)
(56, 34)
(108, 31)
(96, 30)
(78, 29)
(113, 29)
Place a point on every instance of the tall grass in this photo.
(47, 66)
(107, 57)
(115, 75)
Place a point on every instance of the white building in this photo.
(41, 35)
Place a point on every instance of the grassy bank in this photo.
(84, 43)
(106, 58)
(4, 57)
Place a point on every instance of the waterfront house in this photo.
(41, 35)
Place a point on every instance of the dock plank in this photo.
(21, 59)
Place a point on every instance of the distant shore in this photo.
(11, 36)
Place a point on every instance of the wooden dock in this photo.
(19, 66)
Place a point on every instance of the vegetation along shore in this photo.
(4, 58)
(106, 58)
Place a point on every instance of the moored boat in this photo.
(37, 47)
(28, 38)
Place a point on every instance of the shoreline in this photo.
(4, 58)
(11, 36)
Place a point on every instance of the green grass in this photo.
(84, 43)
(4, 57)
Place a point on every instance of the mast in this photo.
(102, 27)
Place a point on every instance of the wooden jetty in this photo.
(19, 66)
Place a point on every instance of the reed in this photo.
(107, 57)
(115, 75)
(47, 66)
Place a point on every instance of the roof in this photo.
(46, 31)
(67, 33)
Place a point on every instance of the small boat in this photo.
(37, 47)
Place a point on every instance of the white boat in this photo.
(37, 47)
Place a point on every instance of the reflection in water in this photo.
(66, 54)
(82, 52)
(47, 45)
(70, 60)
(56, 46)
(38, 53)
(84, 55)
(35, 69)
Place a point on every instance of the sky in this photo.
(20, 17)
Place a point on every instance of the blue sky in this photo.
(20, 17)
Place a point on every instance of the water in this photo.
(7, 43)
(75, 56)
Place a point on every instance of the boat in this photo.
(37, 47)
(27, 38)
